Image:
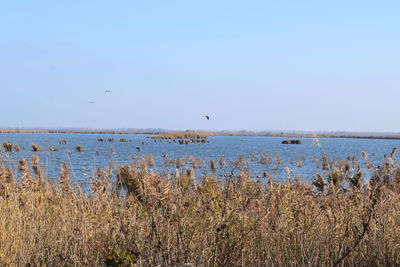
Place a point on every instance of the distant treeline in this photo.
(74, 131)
(312, 135)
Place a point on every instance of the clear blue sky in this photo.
(254, 65)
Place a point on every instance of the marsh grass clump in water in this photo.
(36, 147)
(295, 142)
(79, 149)
(7, 146)
(51, 148)
(213, 165)
(267, 160)
(182, 135)
(148, 219)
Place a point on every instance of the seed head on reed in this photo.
(356, 180)
(185, 181)
(319, 182)
(325, 162)
(364, 155)
(23, 165)
(335, 177)
(346, 166)
(375, 179)
(64, 180)
(190, 173)
(288, 170)
(150, 160)
(38, 170)
(270, 182)
(79, 149)
(180, 162)
(222, 162)
(394, 151)
(6, 176)
(370, 165)
(396, 178)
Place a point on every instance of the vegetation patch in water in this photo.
(182, 135)
(292, 141)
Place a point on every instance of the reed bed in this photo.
(144, 218)
(182, 135)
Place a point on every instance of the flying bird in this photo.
(91, 102)
(108, 91)
(208, 118)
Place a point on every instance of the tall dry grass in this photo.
(146, 219)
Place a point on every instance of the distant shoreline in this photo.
(233, 133)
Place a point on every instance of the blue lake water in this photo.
(101, 154)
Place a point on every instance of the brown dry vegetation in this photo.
(339, 219)
(36, 147)
(182, 135)
(79, 149)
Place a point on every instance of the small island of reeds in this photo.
(183, 137)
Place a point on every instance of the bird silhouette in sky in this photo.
(91, 102)
(108, 91)
(208, 118)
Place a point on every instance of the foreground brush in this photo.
(142, 218)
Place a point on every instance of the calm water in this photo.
(100, 154)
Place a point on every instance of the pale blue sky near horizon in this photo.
(249, 65)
